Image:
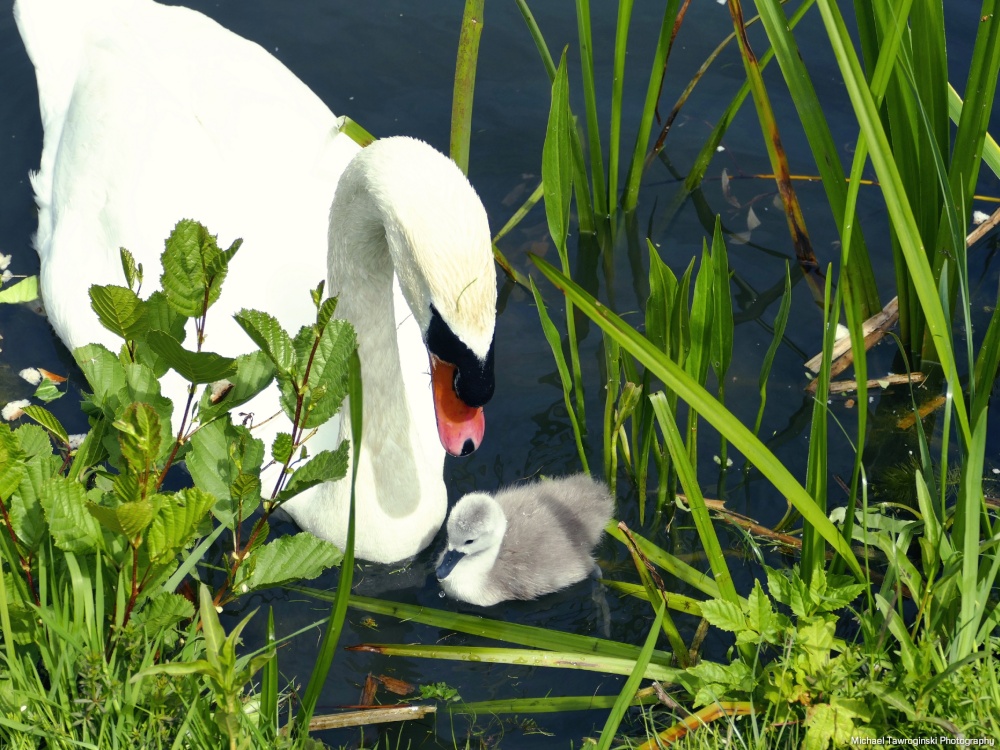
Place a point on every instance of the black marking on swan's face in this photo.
(474, 383)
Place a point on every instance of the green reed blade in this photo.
(555, 344)
(825, 151)
(701, 401)
(269, 684)
(338, 612)
(663, 46)
(696, 502)
(465, 83)
(622, 26)
(991, 150)
(600, 190)
(544, 705)
(528, 658)
(897, 204)
(524, 635)
(676, 602)
(780, 321)
(631, 686)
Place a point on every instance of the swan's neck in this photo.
(401, 456)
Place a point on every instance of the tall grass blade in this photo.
(701, 401)
(696, 502)
(825, 152)
(335, 624)
(627, 695)
(269, 685)
(465, 82)
(555, 344)
(599, 188)
(663, 45)
(622, 27)
(897, 204)
(775, 149)
(780, 321)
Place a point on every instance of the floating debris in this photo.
(14, 410)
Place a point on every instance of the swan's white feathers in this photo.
(154, 113)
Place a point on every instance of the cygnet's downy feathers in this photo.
(524, 541)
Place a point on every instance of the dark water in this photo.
(389, 66)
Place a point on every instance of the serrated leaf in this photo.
(327, 365)
(12, 457)
(195, 367)
(724, 615)
(47, 391)
(107, 517)
(325, 312)
(281, 448)
(104, 372)
(26, 290)
(245, 493)
(34, 441)
(135, 517)
(220, 452)
(26, 510)
(47, 419)
(72, 527)
(291, 558)
(139, 435)
(142, 385)
(254, 372)
(160, 616)
(185, 280)
(132, 272)
(325, 466)
(119, 310)
(267, 333)
(176, 522)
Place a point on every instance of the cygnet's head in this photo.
(476, 528)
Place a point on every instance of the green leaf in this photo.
(34, 441)
(135, 517)
(193, 268)
(291, 558)
(326, 361)
(73, 528)
(119, 310)
(107, 517)
(281, 448)
(133, 272)
(26, 290)
(11, 461)
(220, 453)
(104, 372)
(161, 615)
(47, 420)
(325, 466)
(723, 615)
(195, 367)
(142, 386)
(254, 372)
(267, 333)
(47, 391)
(139, 435)
(175, 524)
(557, 158)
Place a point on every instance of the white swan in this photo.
(152, 113)
(525, 541)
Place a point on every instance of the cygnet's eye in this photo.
(469, 541)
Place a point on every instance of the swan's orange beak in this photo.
(460, 426)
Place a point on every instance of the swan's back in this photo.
(154, 113)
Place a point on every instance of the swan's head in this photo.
(476, 528)
(439, 240)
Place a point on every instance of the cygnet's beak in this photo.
(448, 562)
(460, 426)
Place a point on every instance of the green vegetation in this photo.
(886, 624)
(99, 648)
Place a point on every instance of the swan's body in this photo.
(155, 113)
(524, 541)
